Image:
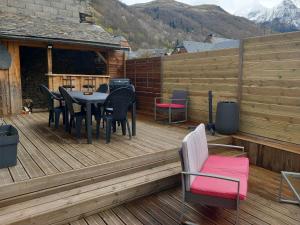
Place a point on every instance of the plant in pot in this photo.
(9, 139)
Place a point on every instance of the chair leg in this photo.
(98, 129)
(128, 128)
(237, 216)
(114, 125)
(71, 124)
(57, 115)
(108, 130)
(50, 118)
(123, 124)
(78, 125)
(64, 117)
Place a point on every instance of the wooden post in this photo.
(124, 61)
(240, 78)
(49, 58)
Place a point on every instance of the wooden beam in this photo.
(49, 57)
(101, 57)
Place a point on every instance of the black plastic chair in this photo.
(115, 110)
(75, 117)
(54, 112)
(103, 88)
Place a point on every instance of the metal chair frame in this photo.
(171, 110)
(205, 199)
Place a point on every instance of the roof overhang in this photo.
(63, 41)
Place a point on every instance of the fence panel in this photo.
(200, 72)
(145, 74)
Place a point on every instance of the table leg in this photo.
(133, 119)
(67, 119)
(88, 122)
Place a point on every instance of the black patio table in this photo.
(95, 98)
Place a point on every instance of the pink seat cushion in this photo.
(170, 105)
(234, 167)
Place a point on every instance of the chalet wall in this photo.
(270, 104)
(116, 64)
(200, 72)
(10, 83)
(145, 74)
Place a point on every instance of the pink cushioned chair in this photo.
(177, 104)
(218, 181)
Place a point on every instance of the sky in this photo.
(231, 6)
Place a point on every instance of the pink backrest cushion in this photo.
(195, 152)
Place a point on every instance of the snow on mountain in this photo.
(284, 17)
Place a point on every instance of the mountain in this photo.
(161, 23)
(283, 17)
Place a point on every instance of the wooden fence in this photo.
(145, 74)
(263, 76)
(200, 72)
(270, 105)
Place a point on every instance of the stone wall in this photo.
(66, 9)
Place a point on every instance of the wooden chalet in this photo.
(53, 52)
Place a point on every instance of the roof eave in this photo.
(64, 41)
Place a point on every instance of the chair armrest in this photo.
(211, 176)
(227, 146)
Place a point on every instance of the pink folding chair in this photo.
(218, 181)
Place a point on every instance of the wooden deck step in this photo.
(22, 191)
(73, 204)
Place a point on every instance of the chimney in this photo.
(209, 38)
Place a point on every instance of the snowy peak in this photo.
(283, 17)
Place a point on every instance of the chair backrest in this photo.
(103, 88)
(194, 152)
(181, 95)
(120, 100)
(68, 99)
(48, 95)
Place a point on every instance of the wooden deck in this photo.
(261, 207)
(49, 157)
(46, 151)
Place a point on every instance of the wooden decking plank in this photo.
(18, 172)
(44, 149)
(79, 222)
(62, 138)
(190, 215)
(5, 176)
(158, 212)
(36, 155)
(126, 216)
(94, 220)
(110, 218)
(56, 144)
(47, 138)
(141, 214)
(28, 163)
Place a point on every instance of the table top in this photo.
(96, 97)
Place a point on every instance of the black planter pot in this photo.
(9, 139)
(227, 118)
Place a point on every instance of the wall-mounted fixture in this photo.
(5, 58)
